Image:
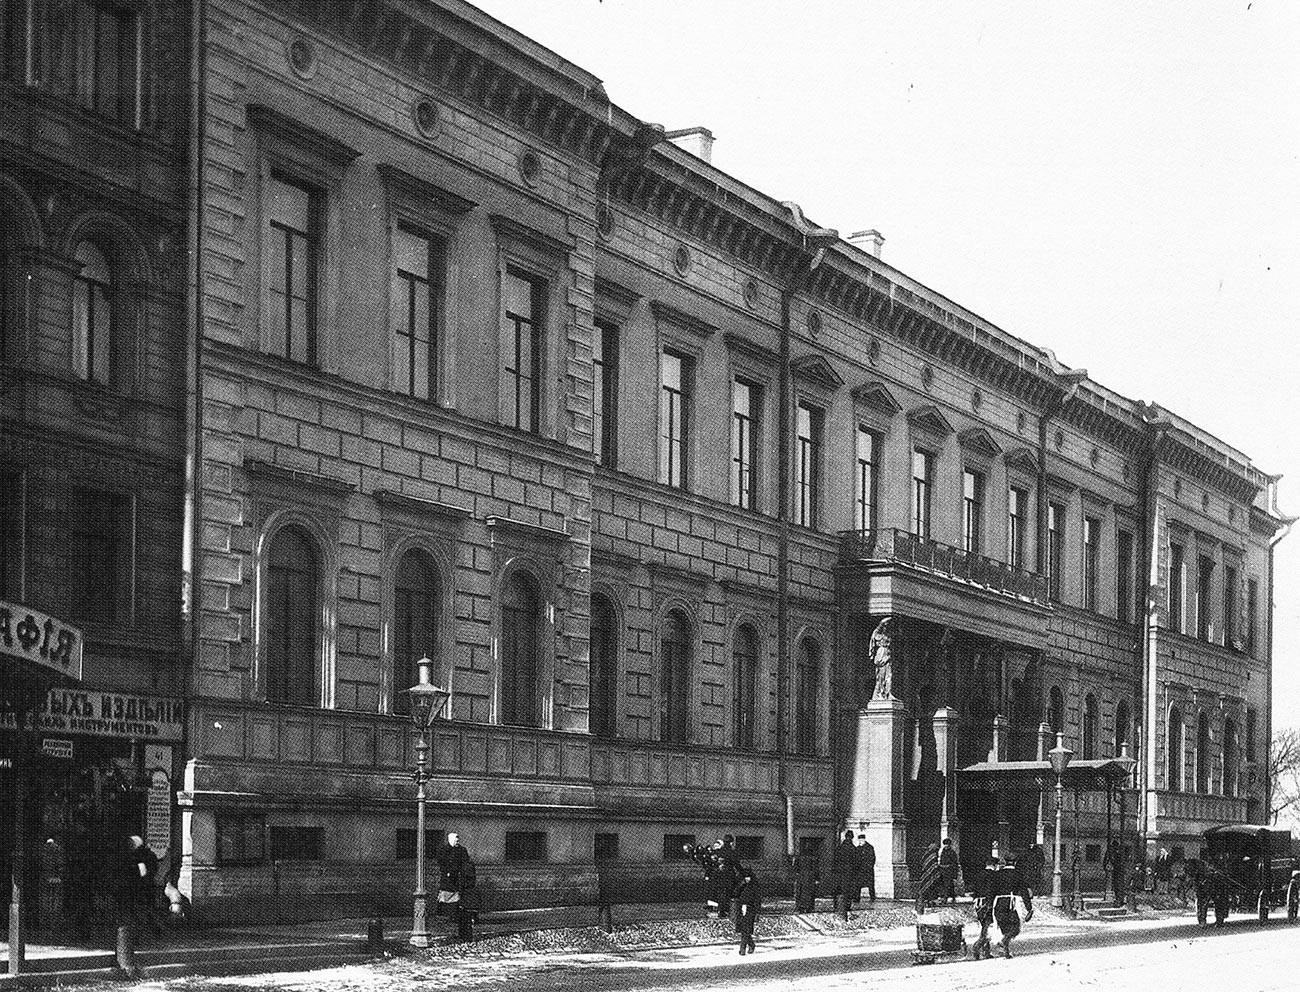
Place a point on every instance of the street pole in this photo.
(1057, 900)
(420, 909)
(1077, 861)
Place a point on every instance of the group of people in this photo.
(730, 889)
(853, 868)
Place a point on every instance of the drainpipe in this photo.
(1273, 542)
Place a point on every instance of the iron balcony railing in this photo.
(889, 544)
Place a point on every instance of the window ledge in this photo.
(508, 526)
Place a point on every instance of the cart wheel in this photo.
(1263, 906)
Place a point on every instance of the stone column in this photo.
(876, 798)
(945, 746)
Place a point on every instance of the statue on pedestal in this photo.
(880, 651)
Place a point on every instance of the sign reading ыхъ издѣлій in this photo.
(104, 713)
(40, 640)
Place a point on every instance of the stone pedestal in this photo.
(876, 797)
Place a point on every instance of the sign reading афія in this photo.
(39, 639)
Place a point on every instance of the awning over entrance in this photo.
(1083, 775)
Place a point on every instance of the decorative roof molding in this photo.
(319, 143)
(681, 319)
(511, 228)
(614, 298)
(979, 441)
(658, 570)
(742, 344)
(278, 473)
(422, 189)
(419, 505)
(535, 531)
(928, 418)
(877, 396)
(1025, 459)
(818, 371)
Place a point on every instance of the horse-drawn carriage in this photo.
(1247, 869)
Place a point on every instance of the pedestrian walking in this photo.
(452, 860)
(1005, 885)
(930, 879)
(867, 866)
(983, 892)
(845, 887)
(948, 870)
(749, 901)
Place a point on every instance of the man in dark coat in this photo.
(1004, 884)
(844, 875)
(749, 901)
(452, 862)
(867, 866)
(948, 869)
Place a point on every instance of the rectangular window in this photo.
(606, 847)
(405, 843)
(922, 475)
(864, 481)
(90, 55)
(525, 303)
(1091, 537)
(11, 535)
(808, 464)
(1252, 607)
(103, 539)
(1204, 579)
(1176, 588)
(746, 401)
(418, 266)
(674, 408)
(1250, 733)
(1017, 507)
(525, 845)
(972, 502)
(749, 848)
(292, 244)
(674, 845)
(297, 843)
(1124, 578)
(604, 400)
(1229, 605)
(1055, 545)
(241, 839)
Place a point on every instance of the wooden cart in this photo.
(938, 939)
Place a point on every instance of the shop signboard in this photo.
(158, 814)
(102, 713)
(38, 639)
(56, 747)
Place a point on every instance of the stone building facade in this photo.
(487, 369)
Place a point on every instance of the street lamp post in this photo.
(1059, 757)
(427, 701)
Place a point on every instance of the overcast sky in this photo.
(1117, 181)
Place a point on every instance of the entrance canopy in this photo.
(1084, 775)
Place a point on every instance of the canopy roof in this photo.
(1084, 774)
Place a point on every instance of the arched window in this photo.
(1229, 758)
(604, 668)
(1122, 728)
(292, 619)
(744, 656)
(1090, 726)
(674, 679)
(520, 627)
(808, 672)
(1174, 755)
(1202, 753)
(92, 316)
(415, 614)
(1056, 711)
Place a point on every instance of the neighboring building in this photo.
(92, 425)
(491, 371)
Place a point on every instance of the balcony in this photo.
(901, 547)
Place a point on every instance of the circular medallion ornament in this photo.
(302, 57)
(1094, 456)
(1021, 421)
(927, 376)
(1059, 440)
(1205, 501)
(604, 220)
(682, 260)
(976, 399)
(814, 322)
(873, 350)
(751, 294)
(1178, 488)
(530, 167)
(425, 114)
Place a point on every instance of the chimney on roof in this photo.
(696, 140)
(869, 241)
